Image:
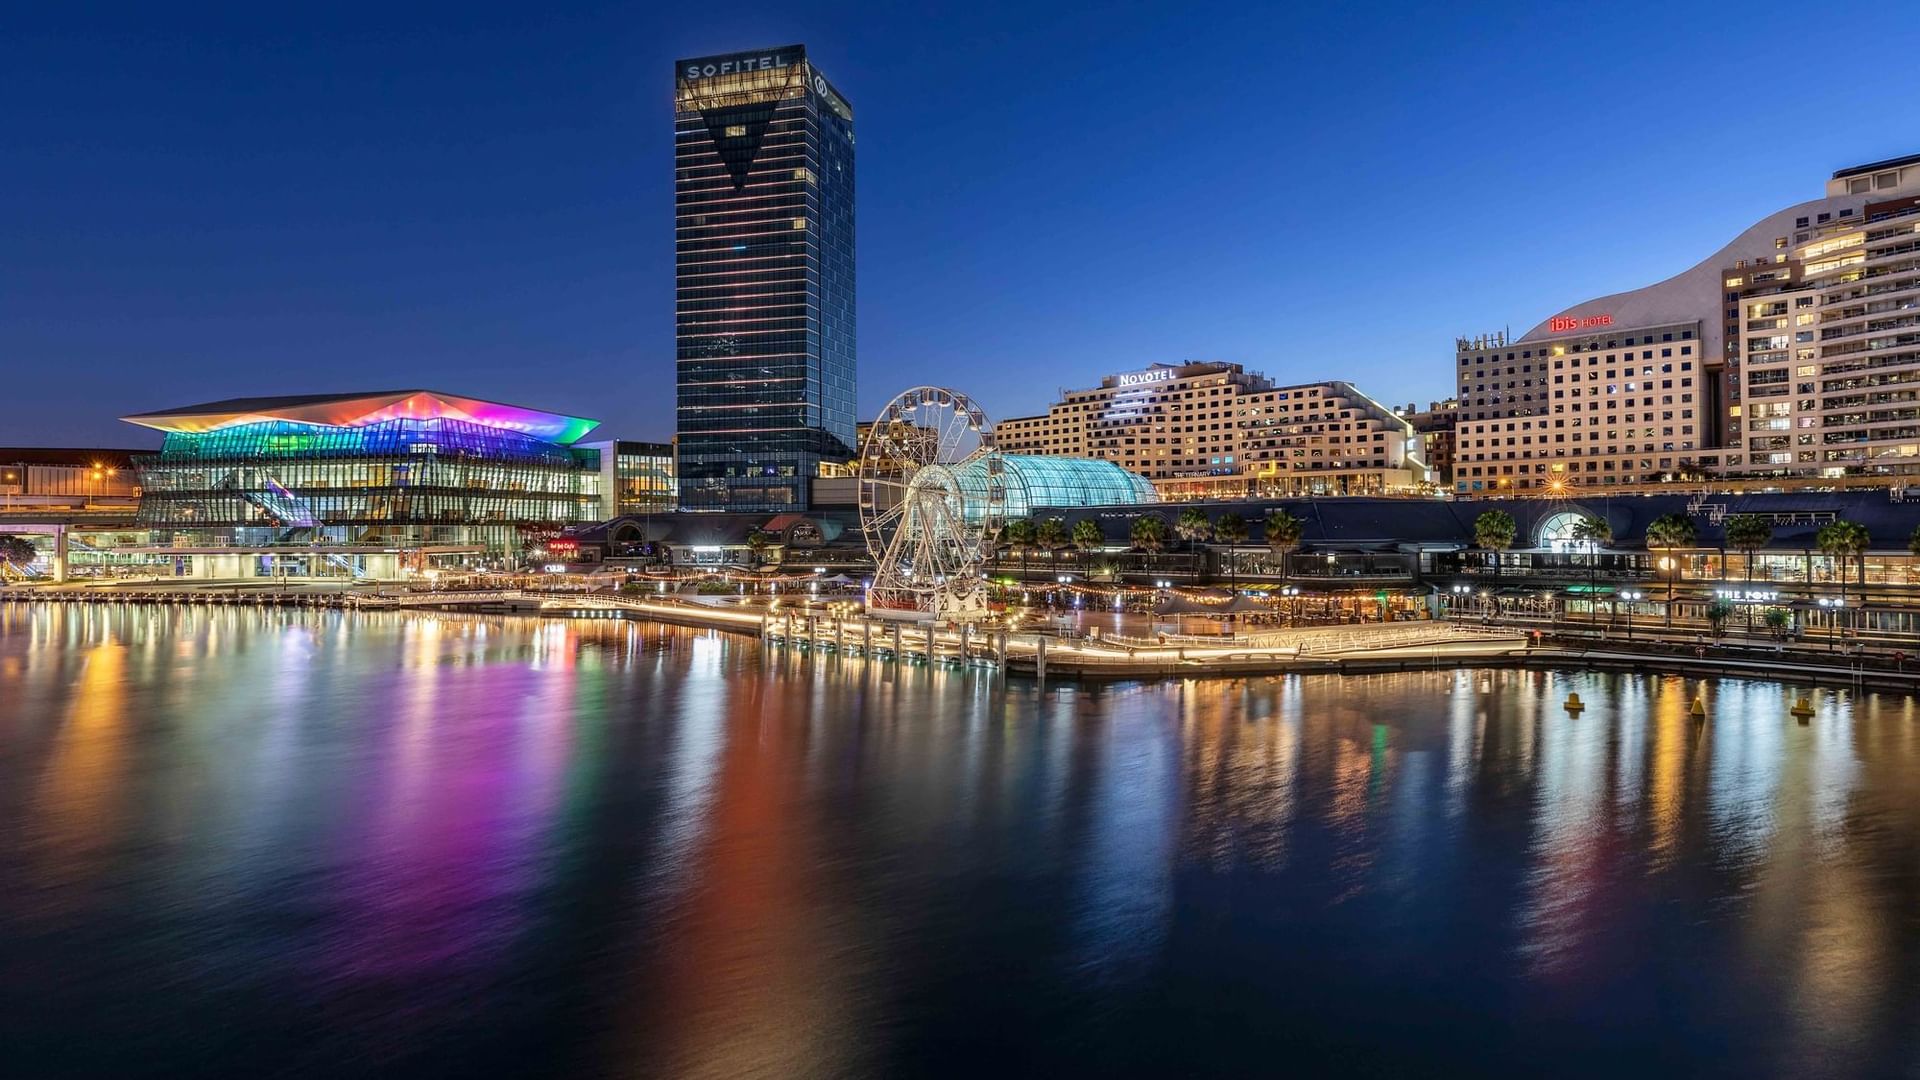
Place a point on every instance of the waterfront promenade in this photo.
(825, 629)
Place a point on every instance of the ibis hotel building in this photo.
(1794, 350)
(358, 485)
(1216, 430)
(764, 286)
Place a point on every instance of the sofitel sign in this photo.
(1561, 324)
(707, 69)
(1141, 378)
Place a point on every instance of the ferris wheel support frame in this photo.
(927, 528)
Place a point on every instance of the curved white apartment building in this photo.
(1793, 350)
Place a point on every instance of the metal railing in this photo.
(1320, 639)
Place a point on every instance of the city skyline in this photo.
(400, 229)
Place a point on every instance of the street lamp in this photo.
(1631, 596)
(1460, 599)
(1291, 592)
(1832, 604)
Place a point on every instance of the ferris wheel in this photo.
(931, 505)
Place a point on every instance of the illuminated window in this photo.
(736, 131)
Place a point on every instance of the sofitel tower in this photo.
(763, 239)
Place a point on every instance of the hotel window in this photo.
(736, 131)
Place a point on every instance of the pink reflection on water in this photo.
(456, 790)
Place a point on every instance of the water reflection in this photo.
(523, 845)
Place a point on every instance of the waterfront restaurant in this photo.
(1369, 558)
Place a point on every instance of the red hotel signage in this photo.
(561, 547)
(1561, 324)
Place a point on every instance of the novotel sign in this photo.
(707, 69)
(1142, 378)
(1561, 324)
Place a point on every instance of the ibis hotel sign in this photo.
(1567, 324)
(1145, 378)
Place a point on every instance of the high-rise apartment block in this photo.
(1792, 351)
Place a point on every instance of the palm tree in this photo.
(1669, 532)
(758, 541)
(1086, 537)
(1594, 532)
(1018, 536)
(1231, 529)
(1051, 535)
(1148, 532)
(1494, 531)
(1843, 541)
(1192, 525)
(1283, 535)
(1748, 533)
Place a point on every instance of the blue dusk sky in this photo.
(212, 200)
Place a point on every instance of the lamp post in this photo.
(1459, 601)
(1832, 604)
(1292, 593)
(1671, 567)
(1630, 596)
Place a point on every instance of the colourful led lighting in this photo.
(364, 410)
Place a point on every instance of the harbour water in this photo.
(283, 843)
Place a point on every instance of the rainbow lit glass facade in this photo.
(764, 279)
(427, 470)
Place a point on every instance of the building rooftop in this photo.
(1877, 166)
(364, 409)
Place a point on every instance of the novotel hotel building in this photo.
(764, 279)
(1794, 350)
(1214, 430)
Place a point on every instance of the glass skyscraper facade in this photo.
(764, 286)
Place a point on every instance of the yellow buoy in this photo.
(1574, 704)
(1699, 710)
(1802, 709)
